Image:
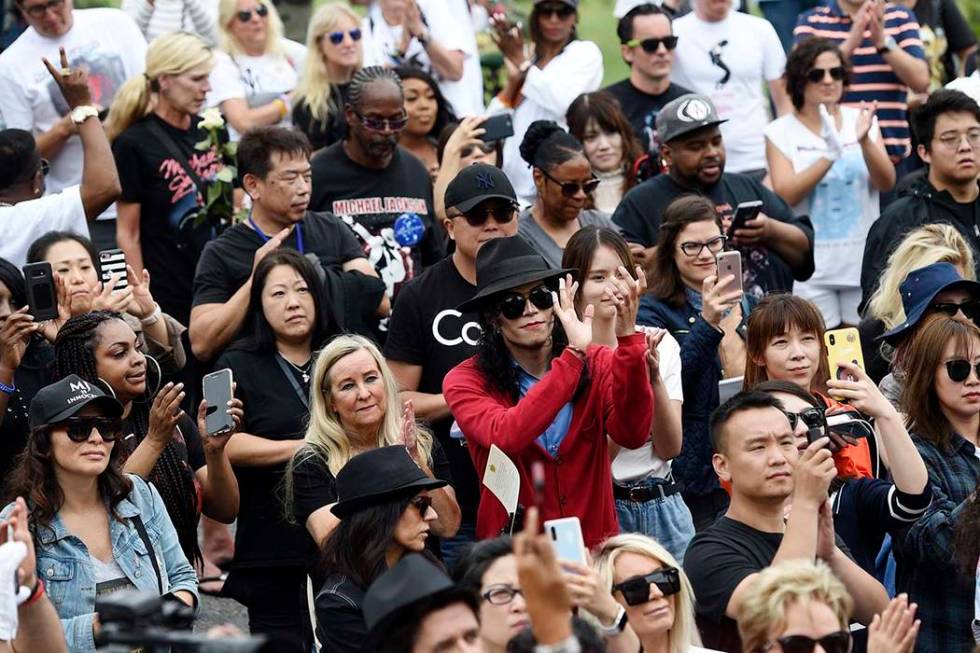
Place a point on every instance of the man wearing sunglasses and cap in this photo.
(540, 391)
(427, 336)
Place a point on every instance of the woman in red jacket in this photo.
(540, 391)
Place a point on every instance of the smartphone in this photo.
(730, 263)
(498, 127)
(41, 294)
(843, 345)
(113, 261)
(743, 213)
(850, 424)
(218, 392)
(566, 536)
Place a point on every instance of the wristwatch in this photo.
(83, 113)
(889, 45)
(618, 625)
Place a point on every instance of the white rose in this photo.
(212, 119)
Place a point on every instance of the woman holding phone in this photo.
(706, 315)
(161, 443)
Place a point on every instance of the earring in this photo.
(108, 387)
(159, 379)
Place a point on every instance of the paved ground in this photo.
(216, 611)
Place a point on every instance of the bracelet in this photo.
(8, 389)
(36, 593)
(153, 317)
(618, 625)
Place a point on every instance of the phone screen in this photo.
(217, 393)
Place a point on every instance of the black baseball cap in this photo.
(66, 398)
(476, 183)
(686, 114)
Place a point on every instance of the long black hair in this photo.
(445, 113)
(75, 354)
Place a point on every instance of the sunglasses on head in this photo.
(478, 216)
(571, 188)
(80, 428)
(813, 418)
(652, 45)
(816, 75)
(338, 37)
(959, 370)
(512, 304)
(839, 642)
(636, 590)
(383, 124)
(970, 308)
(245, 15)
(422, 502)
(559, 9)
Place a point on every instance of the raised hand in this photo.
(273, 243)
(509, 39)
(867, 120)
(862, 393)
(578, 331)
(654, 337)
(828, 132)
(165, 412)
(112, 300)
(895, 629)
(409, 433)
(49, 328)
(812, 475)
(217, 441)
(14, 336)
(142, 304)
(548, 602)
(717, 299)
(73, 82)
(625, 295)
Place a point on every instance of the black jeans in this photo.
(277, 608)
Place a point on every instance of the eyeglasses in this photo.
(512, 304)
(559, 9)
(812, 417)
(952, 141)
(80, 428)
(37, 11)
(477, 217)
(485, 147)
(839, 642)
(383, 124)
(970, 308)
(338, 37)
(500, 594)
(636, 590)
(571, 188)
(959, 370)
(246, 14)
(693, 248)
(816, 75)
(652, 45)
(422, 502)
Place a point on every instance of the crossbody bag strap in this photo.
(174, 151)
(141, 529)
(292, 381)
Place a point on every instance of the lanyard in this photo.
(292, 381)
(265, 239)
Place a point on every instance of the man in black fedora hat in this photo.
(540, 391)
(427, 336)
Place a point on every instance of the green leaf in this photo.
(225, 175)
(203, 145)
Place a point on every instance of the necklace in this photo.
(304, 370)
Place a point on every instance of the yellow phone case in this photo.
(843, 345)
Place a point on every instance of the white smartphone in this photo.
(730, 263)
(566, 536)
(218, 392)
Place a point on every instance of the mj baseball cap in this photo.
(686, 114)
(66, 398)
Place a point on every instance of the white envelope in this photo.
(502, 479)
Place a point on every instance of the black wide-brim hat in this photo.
(507, 263)
(918, 290)
(379, 476)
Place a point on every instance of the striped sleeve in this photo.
(901, 25)
(908, 508)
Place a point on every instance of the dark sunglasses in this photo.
(559, 9)
(477, 217)
(839, 642)
(486, 148)
(383, 124)
(422, 503)
(246, 14)
(512, 304)
(338, 37)
(636, 590)
(816, 75)
(970, 308)
(959, 370)
(813, 418)
(652, 45)
(80, 428)
(570, 188)
(36, 11)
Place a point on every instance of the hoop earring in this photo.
(106, 385)
(159, 379)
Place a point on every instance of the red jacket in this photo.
(578, 481)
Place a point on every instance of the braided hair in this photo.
(174, 479)
(367, 76)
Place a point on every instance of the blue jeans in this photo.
(666, 520)
(453, 548)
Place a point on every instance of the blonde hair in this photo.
(169, 54)
(683, 634)
(227, 41)
(931, 243)
(315, 85)
(763, 609)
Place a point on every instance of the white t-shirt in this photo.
(636, 464)
(25, 222)
(466, 94)
(106, 42)
(547, 95)
(754, 56)
(165, 16)
(843, 205)
(258, 80)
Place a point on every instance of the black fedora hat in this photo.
(506, 263)
(378, 476)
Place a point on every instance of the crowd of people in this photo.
(714, 326)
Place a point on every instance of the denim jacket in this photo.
(64, 564)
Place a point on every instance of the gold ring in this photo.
(65, 72)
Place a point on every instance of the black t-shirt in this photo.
(639, 214)
(943, 19)
(427, 330)
(641, 110)
(323, 134)
(33, 374)
(152, 178)
(373, 202)
(717, 560)
(273, 410)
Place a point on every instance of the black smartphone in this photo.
(218, 392)
(743, 213)
(113, 261)
(498, 127)
(41, 294)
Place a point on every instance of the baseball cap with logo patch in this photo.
(476, 183)
(66, 398)
(686, 114)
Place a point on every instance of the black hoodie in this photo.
(918, 204)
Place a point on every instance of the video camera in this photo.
(130, 619)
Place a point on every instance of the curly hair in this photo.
(800, 61)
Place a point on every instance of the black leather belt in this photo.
(644, 493)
